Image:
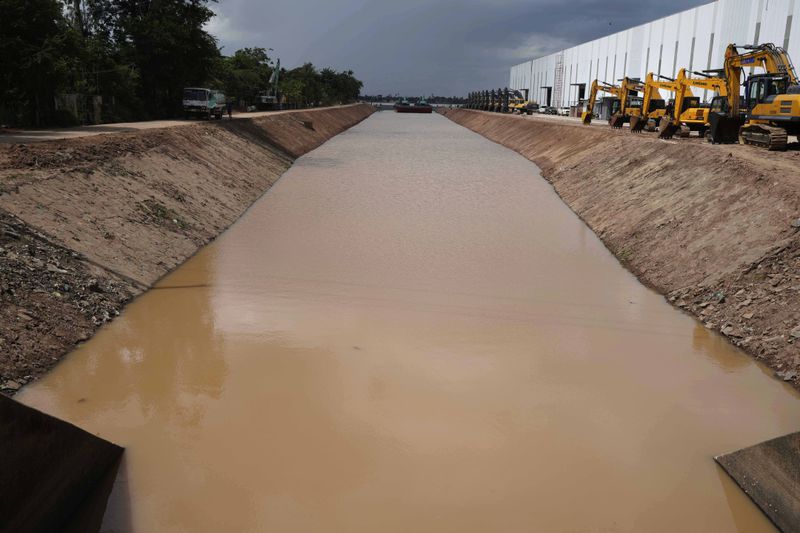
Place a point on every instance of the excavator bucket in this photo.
(723, 128)
(638, 123)
(616, 121)
(668, 128)
(586, 117)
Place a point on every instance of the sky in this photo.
(423, 47)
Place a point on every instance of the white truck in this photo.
(203, 103)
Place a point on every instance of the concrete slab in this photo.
(53, 476)
(770, 474)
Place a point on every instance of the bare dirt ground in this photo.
(88, 223)
(712, 227)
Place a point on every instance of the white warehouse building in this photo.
(695, 39)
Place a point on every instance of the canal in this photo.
(411, 332)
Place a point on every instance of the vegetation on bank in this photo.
(130, 60)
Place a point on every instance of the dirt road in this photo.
(23, 136)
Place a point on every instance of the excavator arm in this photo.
(652, 92)
(628, 88)
(772, 110)
(672, 122)
(772, 59)
(597, 86)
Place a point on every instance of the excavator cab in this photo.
(719, 104)
(690, 102)
(763, 88)
(656, 105)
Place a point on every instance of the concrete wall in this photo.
(695, 39)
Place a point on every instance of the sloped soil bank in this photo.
(87, 224)
(713, 228)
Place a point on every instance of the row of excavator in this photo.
(502, 101)
(765, 116)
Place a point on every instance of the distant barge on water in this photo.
(421, 106)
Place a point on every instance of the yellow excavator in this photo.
(687, 113)
(771, 104)
(518, 103)
(629, 103)
(598, 86)
(653, 105)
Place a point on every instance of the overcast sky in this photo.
(417, 47)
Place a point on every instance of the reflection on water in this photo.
(411, 332)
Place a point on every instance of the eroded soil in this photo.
(88, 223)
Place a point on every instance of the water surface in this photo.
(411, 332)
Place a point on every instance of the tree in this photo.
(37, 48)
(307, 86)
(138, 55)
(166, 41)
(245, 74)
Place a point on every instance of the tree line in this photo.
(137, 56)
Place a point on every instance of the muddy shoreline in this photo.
(712, 228)
(87, 224)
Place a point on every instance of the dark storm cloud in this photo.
(422, 47)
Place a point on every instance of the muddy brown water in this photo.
(411, 332)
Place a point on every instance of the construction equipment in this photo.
(519, 103)
(597, 86)
(653, 105)
(629, 104)
(515, 101)
(688, 113)
(772, 100)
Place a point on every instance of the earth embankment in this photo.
(86, 224)
(714, 228)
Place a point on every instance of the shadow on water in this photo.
(118, 517)
(89, 517)
(718, 350)
(740, 505)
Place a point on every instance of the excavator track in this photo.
(769, 137)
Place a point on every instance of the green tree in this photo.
(138, 55)
(245, 74)
(37, 51)
(166, 42)
(307, 78)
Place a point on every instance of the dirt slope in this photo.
(714, 228)
(86, 224)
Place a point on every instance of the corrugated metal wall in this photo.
(695, 39)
